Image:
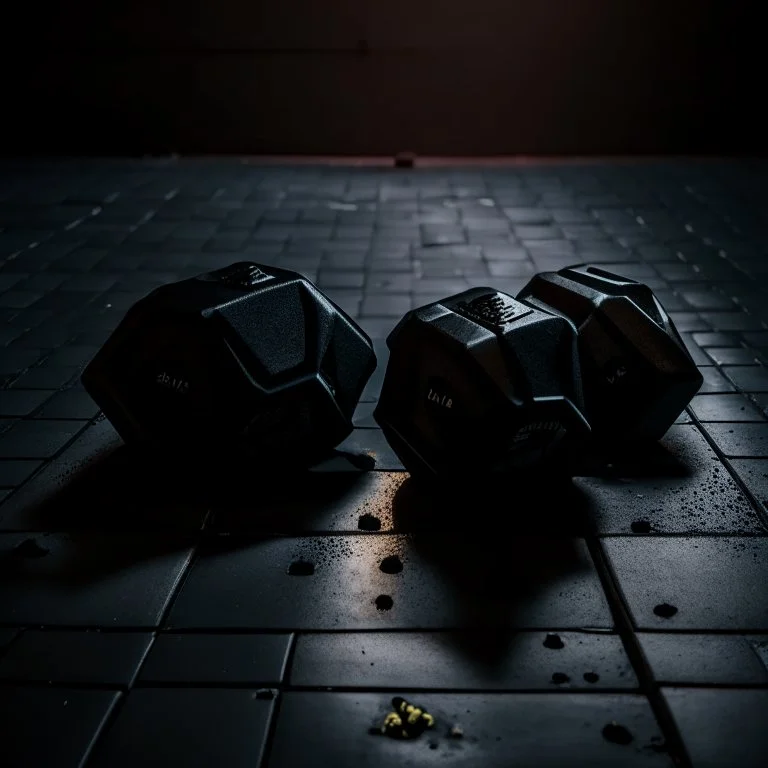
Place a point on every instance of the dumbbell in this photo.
(638, 375)
(481, 383)
(245, 357)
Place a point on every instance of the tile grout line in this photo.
(737, 479)
(114, 713)
(647, 684)
(269, 739)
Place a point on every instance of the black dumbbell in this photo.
(638, 375)
(247, 357)
(480, 383)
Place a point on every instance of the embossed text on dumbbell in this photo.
(169, 382)
(496, 310)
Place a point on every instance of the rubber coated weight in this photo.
(638, 375)
(247, 355)
(480, 383)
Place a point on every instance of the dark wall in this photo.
(379, 76)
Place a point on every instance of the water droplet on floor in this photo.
(559, 678)
(384, 602)
(368, 522)
(665, 610)
(617, 734)
(553, 641)
(391, 564)
(591, 677)
(641, 526)
(301, 568)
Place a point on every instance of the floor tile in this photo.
(222, 659)
(693, 583)
(494, 660)
(75, 657)
(679, 486)
(714, 381)
(363, 417)
(187, 726)
(70, 404)
(394, 306)
(449, 581)
(48, 377)
(495, 728)
(730, 407)
(14, 473)
(51, 726)
(707, 299)
(748, 378)
(732, 356)
(754, 474)
(89, 580)
(683, 659)
(21, 402)
(732, 321)
(706, 339)
(37, 439)
(721, 728)
(740, 440)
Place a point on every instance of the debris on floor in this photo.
(407, 721)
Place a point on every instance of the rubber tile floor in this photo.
(152, 615)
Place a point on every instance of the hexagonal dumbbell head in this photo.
(247, 355)
(480, 383)
(638, 375)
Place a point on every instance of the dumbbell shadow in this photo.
(509, 551)
(100, 484)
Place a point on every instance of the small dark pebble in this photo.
(591, 677)
(617, 734)
(665, 610)
(369, 522)
(301, 568)
(265, 693)
(433, 745)
(391, 564)
(384, 602)
(31, 548)
(559, 678)
(553, 641)
(641, 526)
